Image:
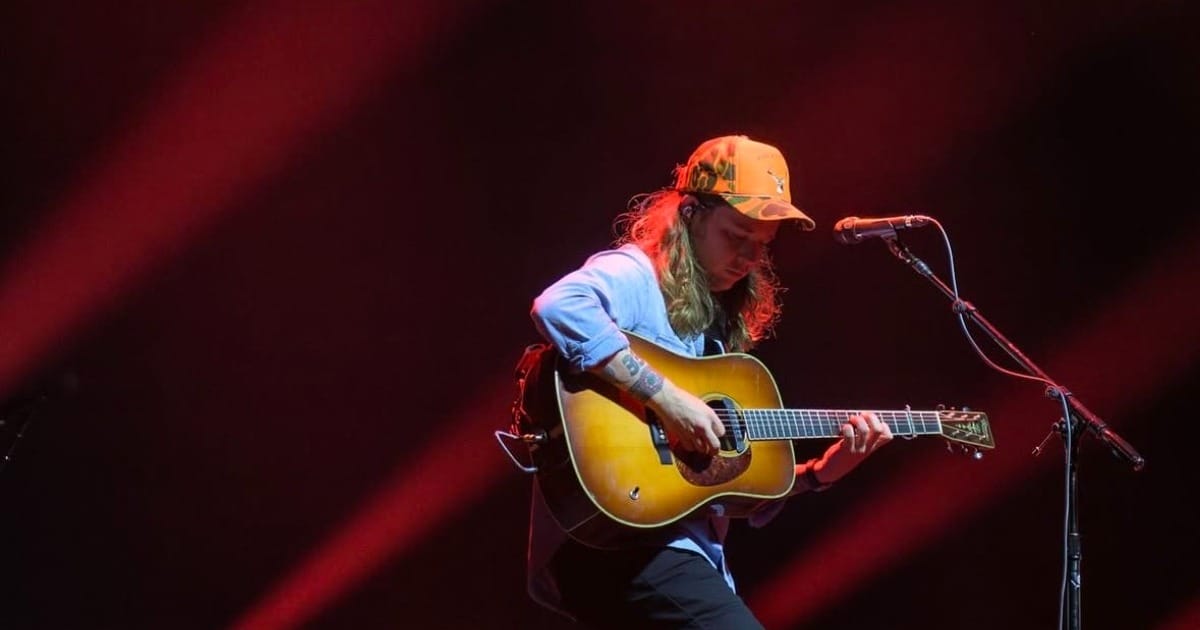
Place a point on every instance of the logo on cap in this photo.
(778, 181)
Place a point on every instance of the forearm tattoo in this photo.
(632, 363)
(632, 373)
(647, 385)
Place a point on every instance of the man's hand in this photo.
(689, 423)
(862, 435)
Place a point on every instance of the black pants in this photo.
(647, 588)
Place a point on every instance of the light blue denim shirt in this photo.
(582, 316)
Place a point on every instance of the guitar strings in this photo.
(731, 419)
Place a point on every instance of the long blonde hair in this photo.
(745, 314)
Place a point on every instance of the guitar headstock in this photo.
(966, 428)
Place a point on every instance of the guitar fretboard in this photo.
(794, 424)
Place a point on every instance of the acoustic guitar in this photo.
(607, 470)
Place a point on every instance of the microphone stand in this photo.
(1076, 420)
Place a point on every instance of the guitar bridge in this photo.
(658, 437)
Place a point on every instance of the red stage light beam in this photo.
(1185, 618)
(246, 103)
(420, 496)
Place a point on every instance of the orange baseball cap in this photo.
(749, 175)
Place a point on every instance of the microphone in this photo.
(851, 230)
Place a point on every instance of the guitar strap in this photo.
(536, 363)
(712, 345)
(715, 338)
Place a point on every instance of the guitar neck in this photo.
(795, 424)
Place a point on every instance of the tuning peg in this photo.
(977, 455)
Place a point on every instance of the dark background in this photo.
(394, 184)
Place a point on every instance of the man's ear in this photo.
(688, 206)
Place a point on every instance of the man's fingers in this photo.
(717, 425)
(880, 433)
(862, 431)
(714, 442)
(714, 431)
(706, 439)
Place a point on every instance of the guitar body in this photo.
(608, 472)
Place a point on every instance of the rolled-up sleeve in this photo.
(583, 313)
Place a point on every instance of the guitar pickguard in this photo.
(709, 470)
